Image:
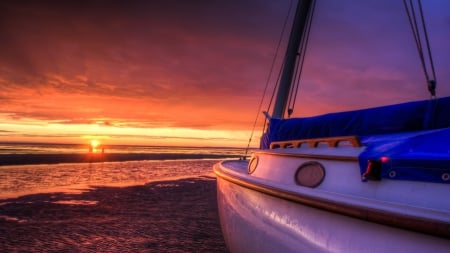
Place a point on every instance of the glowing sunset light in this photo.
(24, 131)
(95, 144)
(177, 73)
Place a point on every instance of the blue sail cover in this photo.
(414, 136)
(422, 155)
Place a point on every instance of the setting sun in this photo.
(94, 143)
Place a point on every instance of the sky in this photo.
(175, 72)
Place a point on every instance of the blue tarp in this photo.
(407, 133)
(422, 155)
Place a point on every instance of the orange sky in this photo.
(175, 72)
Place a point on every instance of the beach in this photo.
(170, 207)
(165, 216)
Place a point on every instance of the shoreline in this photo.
(34, 159)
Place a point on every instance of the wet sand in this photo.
(163, 216)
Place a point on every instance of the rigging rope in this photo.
(300, 63)
(268, 80)
(411, 13)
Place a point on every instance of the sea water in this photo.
(23, 180)
(75, 177)
(55, 148)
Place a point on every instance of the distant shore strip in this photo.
(28, 159)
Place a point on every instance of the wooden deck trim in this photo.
(311, 156)
(383, 217)
(313, 143)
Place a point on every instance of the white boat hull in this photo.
(254, 221)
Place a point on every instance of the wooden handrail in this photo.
(313, 143)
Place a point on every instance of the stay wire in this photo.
(430, 56)
(415, 29)
(277, 82)
(275, 87)
(293, 87)
(303, 47)
(268, 81)
(410, 11)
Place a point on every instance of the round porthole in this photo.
(252, 164)
(310, 174)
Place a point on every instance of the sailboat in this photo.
(367, 180)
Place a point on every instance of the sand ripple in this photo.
(166, 216)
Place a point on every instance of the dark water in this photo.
(38, 153)
(138, 206)
(54, 148)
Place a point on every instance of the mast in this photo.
(298, 27)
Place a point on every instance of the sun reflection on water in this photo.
(80, 177)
